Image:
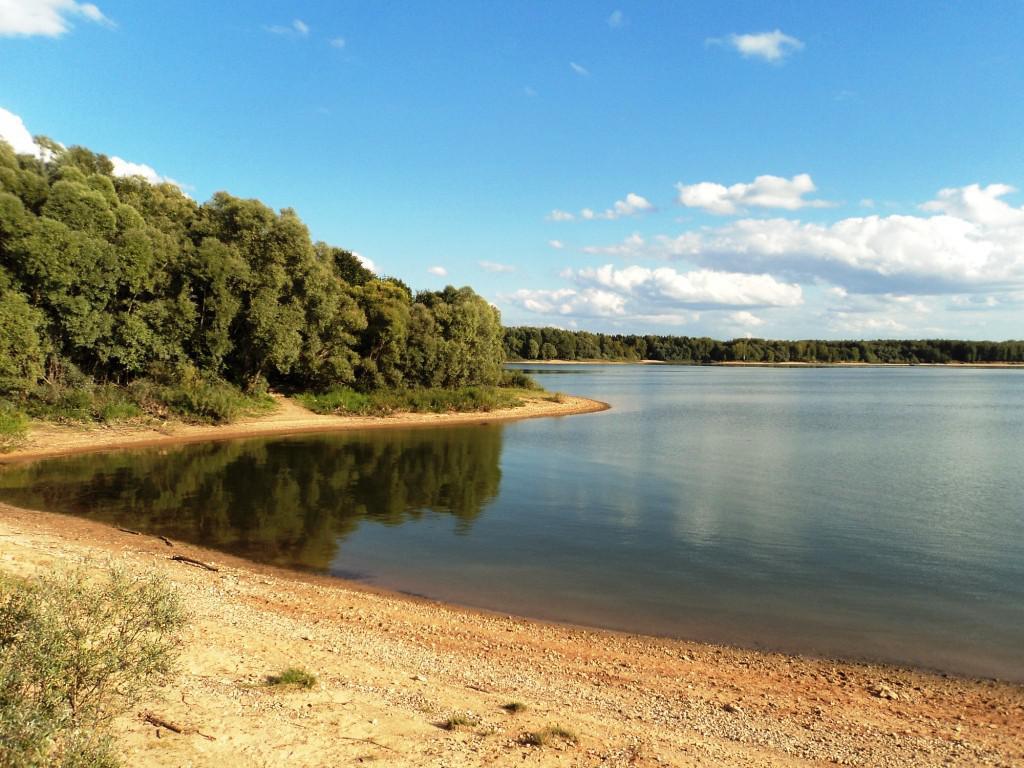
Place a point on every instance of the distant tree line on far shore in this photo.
(527, 343)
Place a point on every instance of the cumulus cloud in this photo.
(661, 296)
(438, 271)
(368, 263)
(46, 18)
(971, 241)
(588, 302)
(556, 244)
(337, 42)
(632, 205)
(579, 69)
(768, 46)
(14, 132)
(493, 266)
(705, 287)
(126, 168)
(745, 319)
(763, 192)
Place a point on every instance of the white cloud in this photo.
(632, 205)
(559, 215)
(337, 42)
(298, 28)
(14, 132)
(48, 18)
(768, 46)
(569, 301)
(978, 204)
(368, 263)
(126, 168)
(529, 91)
(632, 246)
(746, 319)
(616, 20)
(867, 202)
(438, 271)
(579, 69)
(763, 192)
(660, 296)
(493, 266)
(556, 244)
(702, 286)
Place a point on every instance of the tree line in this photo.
(108, 279)
(527, 343)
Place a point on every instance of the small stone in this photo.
(732, 708)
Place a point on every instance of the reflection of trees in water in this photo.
(281, 501)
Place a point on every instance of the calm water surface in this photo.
(873, 513)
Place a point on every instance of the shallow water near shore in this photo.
(864, 513)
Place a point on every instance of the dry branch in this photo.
(193, 561)
(161, 722)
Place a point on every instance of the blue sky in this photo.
(780, 169)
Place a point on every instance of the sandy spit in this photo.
(290, 417)
(392, 669)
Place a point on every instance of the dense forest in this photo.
(115, 281)
(556, 344)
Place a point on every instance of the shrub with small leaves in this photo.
(75, 652)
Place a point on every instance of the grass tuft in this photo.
(296, 676)
(547, 735)
(346, 401)
(458, 721)
(514, 707)
(13, 427)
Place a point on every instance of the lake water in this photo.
(864, 513)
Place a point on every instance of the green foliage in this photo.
(114, 277)
(346, 401)
(74, 652)
(523, 343)
(294, 676)
(518, 380)
(13, 427)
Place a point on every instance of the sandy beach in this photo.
(393, 669)
(289, 418)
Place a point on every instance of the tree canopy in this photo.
(115, 279)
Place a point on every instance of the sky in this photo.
(771, 169)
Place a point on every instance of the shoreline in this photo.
(393, 667)
(781, 364)
(46, 440)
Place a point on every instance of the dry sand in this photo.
(392, 669)
(289, 418)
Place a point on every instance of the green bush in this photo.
(518, 380)
(428, 400)
(13, 427)
(75, 652)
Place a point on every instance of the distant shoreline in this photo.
(743, 364)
